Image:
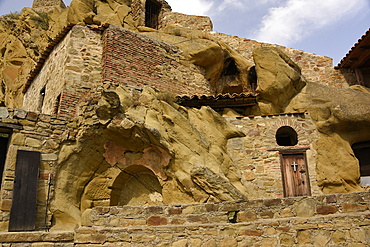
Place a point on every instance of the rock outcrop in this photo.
(178, 154)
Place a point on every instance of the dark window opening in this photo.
(286, 136)
(41, 99)
(4, 137)
(362, 153)
(364, 76)
(57, 104)
(252, 78)
(230, 68)
(152, 11)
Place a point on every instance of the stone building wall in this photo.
(138, 60)
(70, 73)
(32, 132)
(314, 67)
(47, 5)
(257, 154)
(330, 220)
(193, 22)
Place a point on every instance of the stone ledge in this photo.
(25, 237)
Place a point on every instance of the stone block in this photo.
(157, 221)
(92, 238)
(352, 207)
(19, 113)
(4, 113)
(49, 157)
(250, 232)
(246, 216)
(286, 239)
(325, 210)
(228, 242)
(197, 219)
(32, 116)
(31, 142)
(180, 243)
(6, 205)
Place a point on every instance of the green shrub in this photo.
(42, 19)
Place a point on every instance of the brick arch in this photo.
(285, 121)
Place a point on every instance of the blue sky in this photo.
(323, 27)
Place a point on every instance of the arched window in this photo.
(286, 136)
(362, 153)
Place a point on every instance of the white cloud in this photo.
(297, 19)
(230, 3)
(191, 7)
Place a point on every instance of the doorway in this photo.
(152, 11)
(4, 138)
(295, 174)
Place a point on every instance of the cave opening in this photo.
(230, 68)
(362, 153)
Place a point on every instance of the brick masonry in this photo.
(137, 60)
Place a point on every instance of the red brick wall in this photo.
(137, 60)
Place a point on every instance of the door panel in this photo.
(23, 211)
(295, 175)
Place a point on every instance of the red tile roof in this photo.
(219, 101)
(358, 54)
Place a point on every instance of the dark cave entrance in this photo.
(152, 11)
(362, 153)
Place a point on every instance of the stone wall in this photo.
(138, 60)
(257, 154)
(314, 67)
(47, 5)
(70, 73)
(331, 220)
(32, 132)
(193, 22)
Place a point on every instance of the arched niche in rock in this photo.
(136, 185)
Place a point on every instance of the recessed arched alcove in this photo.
(136, 185)
(286, 136)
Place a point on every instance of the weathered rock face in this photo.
(225, 70)
(20, 48)
(340, 115)
(165, 153)
(279, 79)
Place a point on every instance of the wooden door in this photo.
(23, 211)
(295, 175)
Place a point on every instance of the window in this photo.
(286, 136)
(252, 78)
(41, 99)
(57, 104)
(362, 153)
(4, 137)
